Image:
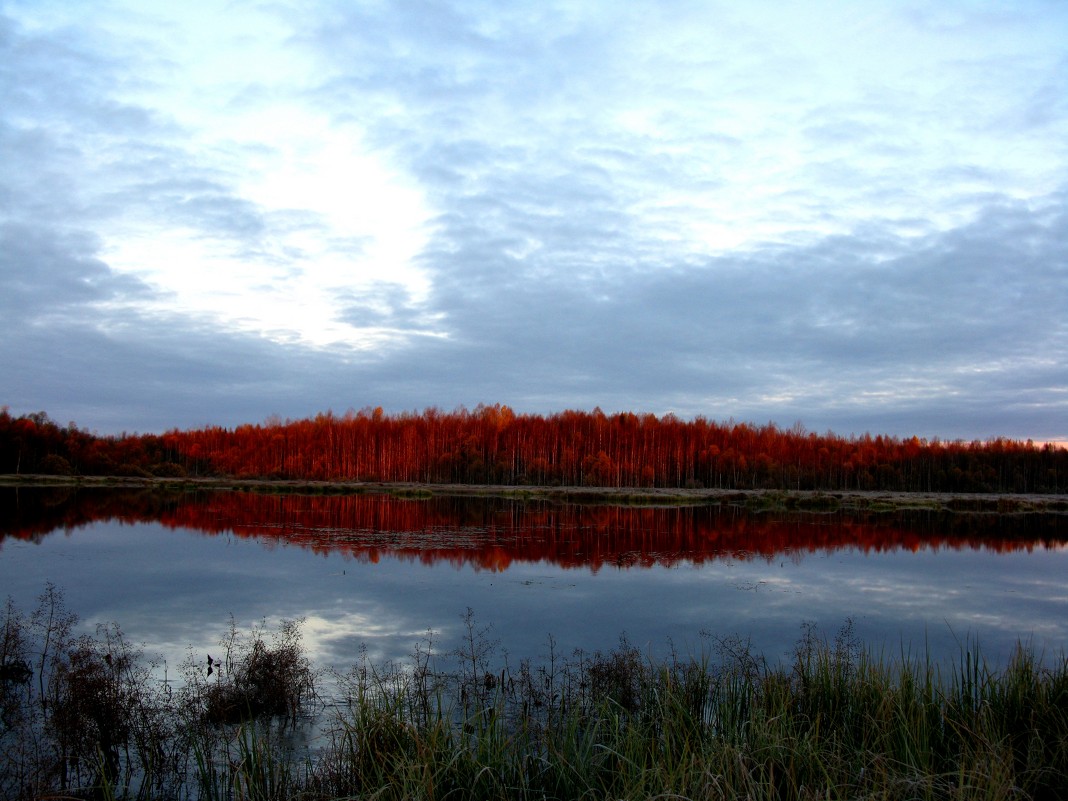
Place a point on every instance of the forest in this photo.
(495, 445)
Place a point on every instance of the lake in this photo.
(383, 575)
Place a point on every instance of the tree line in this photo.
(496, 445)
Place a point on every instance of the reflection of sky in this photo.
(170, 589)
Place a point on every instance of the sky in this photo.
(848, 215)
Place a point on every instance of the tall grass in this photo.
(833, 721)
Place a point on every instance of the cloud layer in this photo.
(851, 217)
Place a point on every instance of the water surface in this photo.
(385, 574)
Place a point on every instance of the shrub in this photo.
(168, 470)
(256, 677)
(55, 465)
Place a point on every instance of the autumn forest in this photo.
(495, 445)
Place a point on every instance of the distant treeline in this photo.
(495, 445)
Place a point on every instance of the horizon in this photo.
(855, 217)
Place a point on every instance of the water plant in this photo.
(259, 675)
(833, 721)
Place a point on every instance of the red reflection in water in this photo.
(491, 534)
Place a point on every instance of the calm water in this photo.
(383, 573)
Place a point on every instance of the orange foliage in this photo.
(495, 445)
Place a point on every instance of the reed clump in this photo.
(834, 722)
(259, 675)
(87, 716)
(83, 718)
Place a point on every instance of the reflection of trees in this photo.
(31, 513)
(492, 533)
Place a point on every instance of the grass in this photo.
(835, 723)
(831, 722)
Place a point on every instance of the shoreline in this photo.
(757, 499)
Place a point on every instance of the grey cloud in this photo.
(950, 318)
(559, 271)
(867, 298)
(63, 129)
(207, 208)
(383, 305)
(48, 272)
(59, 75)
(136, 372)
(77, 161)
(1046, 105)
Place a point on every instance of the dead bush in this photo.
(256, 678)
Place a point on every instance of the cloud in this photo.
(852, 219)
(783, 335)
(47, 273)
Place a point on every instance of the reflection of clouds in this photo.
(986, 620)
(178, 590)
(930, 599)
(343, 634)
(902, 595)
(1047, 589)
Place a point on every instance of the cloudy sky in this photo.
(852, 215)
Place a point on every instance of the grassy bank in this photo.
(86, 717)
(755, 500)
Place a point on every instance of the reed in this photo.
(834, 721)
